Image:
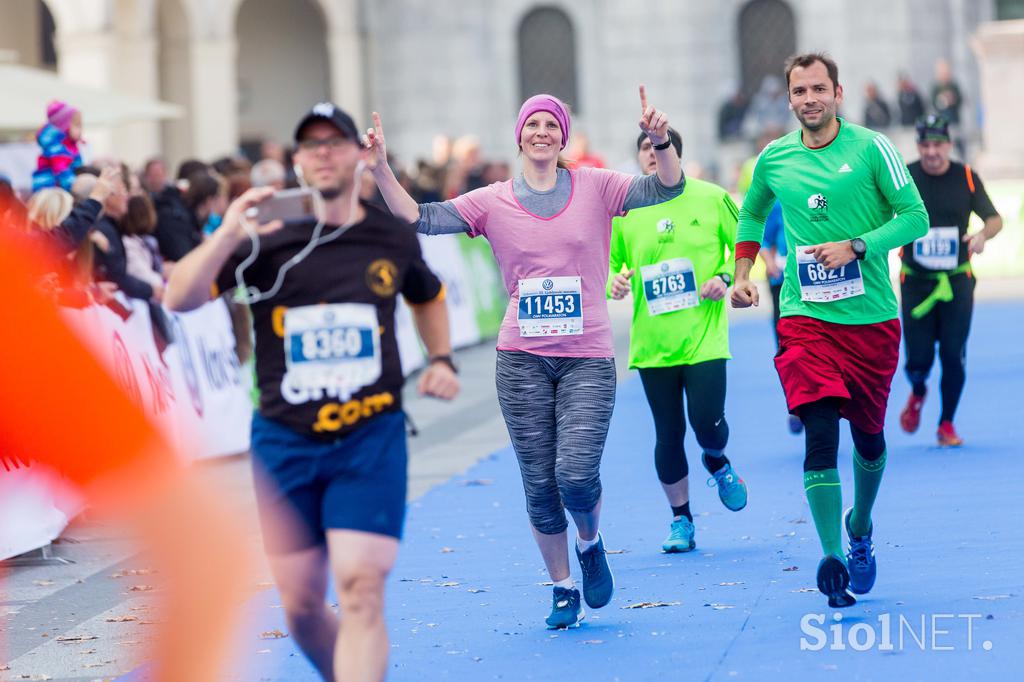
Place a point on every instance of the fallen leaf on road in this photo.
(42, 583)
(447, 550)
(651, 604)
(76, 638)
(141, 588)
(263, 651)
(791, 568)
(476, 590)
(994, 597)
(129, 572)
(273, 634)
(121, 619)
(738, 582)
(592, 641)
(720, 607)
(616, 551)
(450, 583)
(805, 589)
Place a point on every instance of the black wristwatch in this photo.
(664, 145)
(860, 249)
(446, 359)
(725, 277)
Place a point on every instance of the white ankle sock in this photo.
(584, 545)
(567, 584)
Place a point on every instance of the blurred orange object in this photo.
(60, 408)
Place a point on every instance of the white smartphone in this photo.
(288, 205)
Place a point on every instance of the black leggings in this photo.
(821, 429)
(947, 324)
(704, 384)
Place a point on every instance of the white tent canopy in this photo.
(27, 91)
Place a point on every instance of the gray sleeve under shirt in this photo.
(647, 190)
(442, 218)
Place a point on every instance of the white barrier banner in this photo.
(193, 389)
(443, 255)
(212, 389)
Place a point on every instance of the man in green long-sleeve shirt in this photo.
(847, 200)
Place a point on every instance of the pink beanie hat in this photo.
(60, 114)
(550, 104)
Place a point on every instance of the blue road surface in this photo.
(466, 600)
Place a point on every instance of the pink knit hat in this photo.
(550, 104)
(60, 114)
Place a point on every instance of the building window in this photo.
(767, 38)
(1009, 9)
(547, 56)
(47, 29)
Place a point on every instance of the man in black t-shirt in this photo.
(328, 441)
(937, 282)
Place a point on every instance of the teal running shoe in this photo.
(732, 491)
(833, 579)
(598, 583)
(860, 558)
(566, 609)
(680, 539)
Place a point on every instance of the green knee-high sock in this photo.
(825, 496)
(867, 476)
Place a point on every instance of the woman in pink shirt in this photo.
(550, 230)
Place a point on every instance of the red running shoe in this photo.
(910, 417)
(948, 437)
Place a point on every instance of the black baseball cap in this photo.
(674, 137)
(328, 111)
(933, 128)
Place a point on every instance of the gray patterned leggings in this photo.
(557, 412)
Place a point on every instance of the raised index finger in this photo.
(643, 98)
(378, 125)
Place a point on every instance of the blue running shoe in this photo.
(860, 558)
(598, 583)
(680, 539)
(566, 610)
(833, 579)
(795, 425)
(732, 491)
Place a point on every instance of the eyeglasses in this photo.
(312, 144)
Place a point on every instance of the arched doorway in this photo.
(282, 67)
(175, 75)
(27, 34)
(547, 56)
(767, 37)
